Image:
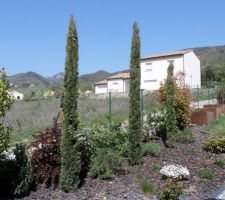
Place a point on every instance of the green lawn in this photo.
(216, 127)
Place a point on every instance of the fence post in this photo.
(110, 105)
(198, 96)
(142, 106)
(208, 94)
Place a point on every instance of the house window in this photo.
(115, 83)
(170, 61)
(18, 97)
(150, 81)
(148, 63)
(148, 70)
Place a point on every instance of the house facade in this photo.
(117, 83)
(154, 72)
(16, 95)
(154, 68)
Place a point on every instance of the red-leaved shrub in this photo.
(46, 157)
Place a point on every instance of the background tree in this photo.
(70, 164)
(135, 136)
(171, 122)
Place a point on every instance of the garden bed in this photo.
(128, 186)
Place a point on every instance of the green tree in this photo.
(171, 123)
(71, 164)
(5, 103)
(135, 135)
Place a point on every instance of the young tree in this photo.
(70, 163)
(135, 136)
(171, 123)
(5, 103)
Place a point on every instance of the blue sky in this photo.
(33, 33)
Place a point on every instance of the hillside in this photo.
(210, 55)
(28, 78)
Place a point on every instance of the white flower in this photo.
(40, 145)
(175, 171)
(9, 155)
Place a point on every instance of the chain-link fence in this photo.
(206, 94)
(30, 117)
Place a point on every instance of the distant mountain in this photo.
(28, 78)
(210, 55)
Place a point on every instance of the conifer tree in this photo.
(171, 123)
(135, 136)
(70, 162)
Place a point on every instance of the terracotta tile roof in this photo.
(101, 82)
(120, 76)
(175, 53)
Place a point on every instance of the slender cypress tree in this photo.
(71, 164)
(135, 137)
(171, 123)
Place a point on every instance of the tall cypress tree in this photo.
(135, 137)
(171, 123)
(71, 164)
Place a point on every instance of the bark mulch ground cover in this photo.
(128, 186)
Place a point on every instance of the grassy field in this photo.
(216, 127)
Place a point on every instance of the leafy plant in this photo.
(186, 136)
(220, 163)
(106, 163)
(147, 187)
(151, 148)
(215, 144)
(205, 174)
(170, 192)
(156, 167)
(46, 157)
(181, 100)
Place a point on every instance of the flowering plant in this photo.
(175, 171)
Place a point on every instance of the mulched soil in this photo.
(128, 186)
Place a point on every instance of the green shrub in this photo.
(205, 174)
(220, 163)
(147, 187)
(107, 134)
(172, 192)
(215, 144)
(108, 175)
(151, 148)
(186, 136)
(156, 167)
(105, 163)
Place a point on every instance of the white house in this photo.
(154, 68)
(116, 83)
(154, 72)
(16, 95)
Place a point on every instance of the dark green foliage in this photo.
(151, 148)
(205, 174)
(106, 163)
(171, 123)
(171, 192)
(108, 147)
(13, 173)
(71, 163)
(135, 124)
(186, 136)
